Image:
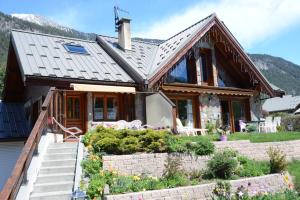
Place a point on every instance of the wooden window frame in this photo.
(246, 102)
(105, 97)
(208, 63)
(73, 106)
(195, 105)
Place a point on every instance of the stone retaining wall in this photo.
(153, 163)
(269, 183)
(258, 151)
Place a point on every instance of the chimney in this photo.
(124, 34)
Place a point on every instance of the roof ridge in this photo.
(51, 35)
(134, 40)
(213, 14)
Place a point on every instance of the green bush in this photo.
(96, 186)
(291, 120)
(109, 145)
(250, 127)
(211, 127)
(221, 190)
(278, 162)
(91, 166)
(249, 168)
(126, 141)
(223, 164)
(204, 147)
(129, 145)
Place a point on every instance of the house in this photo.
(288, 103)
(199, 75)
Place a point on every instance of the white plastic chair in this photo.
(72, 131)
(268, 126)
(185, 130)
(242, 125)
(277, 121)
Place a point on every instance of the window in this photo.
(105, 108)
(75, 48)
(206, 67)
(73, 107)
(179, 73)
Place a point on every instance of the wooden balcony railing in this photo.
(18, 175)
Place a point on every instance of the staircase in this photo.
(56, 176)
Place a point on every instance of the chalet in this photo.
(199, 75)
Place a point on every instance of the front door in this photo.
(75, 111)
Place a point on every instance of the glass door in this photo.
(225, 113)
(185, 111)
(238, 109)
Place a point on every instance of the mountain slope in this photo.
(278, 71)
(282, 73)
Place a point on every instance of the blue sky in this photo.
(271, 26)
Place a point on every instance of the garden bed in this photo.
(173, 162)
(255, 186)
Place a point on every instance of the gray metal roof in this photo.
(13, 123)
(44, 55)
(147, 58)
(287, 102)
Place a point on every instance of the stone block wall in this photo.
(210, 108)
(258, 151)
(270, 183)
(154, 163)
(151, 164)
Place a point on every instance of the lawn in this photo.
(253, 137)
(294, 169)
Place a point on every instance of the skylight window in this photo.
(75, 48)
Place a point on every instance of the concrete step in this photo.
(63, 145)
(61, 195)
(57, 170)
(62, 150)
(53, 187)
(50, 178)
(60, 156)
(53, 163)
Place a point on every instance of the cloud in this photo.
(70, 17)
(250, 21)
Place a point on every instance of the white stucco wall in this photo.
(158, 111)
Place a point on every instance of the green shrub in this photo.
(222, 190)
(211, 127)
(291, 120)
(250, 127)
(249, 168)
(172, 167)
(153, 141)
(121, 184)
(278, 162)
(96, 186)
(204, 147)
(109, 145)
(129, 145)
(91, 166)
(223, 164)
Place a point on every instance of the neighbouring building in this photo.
(199, 75)
(288, 103)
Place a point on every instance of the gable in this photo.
(215, 31)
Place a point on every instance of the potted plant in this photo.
(223, 132)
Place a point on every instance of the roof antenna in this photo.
(116, 11)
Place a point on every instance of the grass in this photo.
(294, 170)
(253, 137)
